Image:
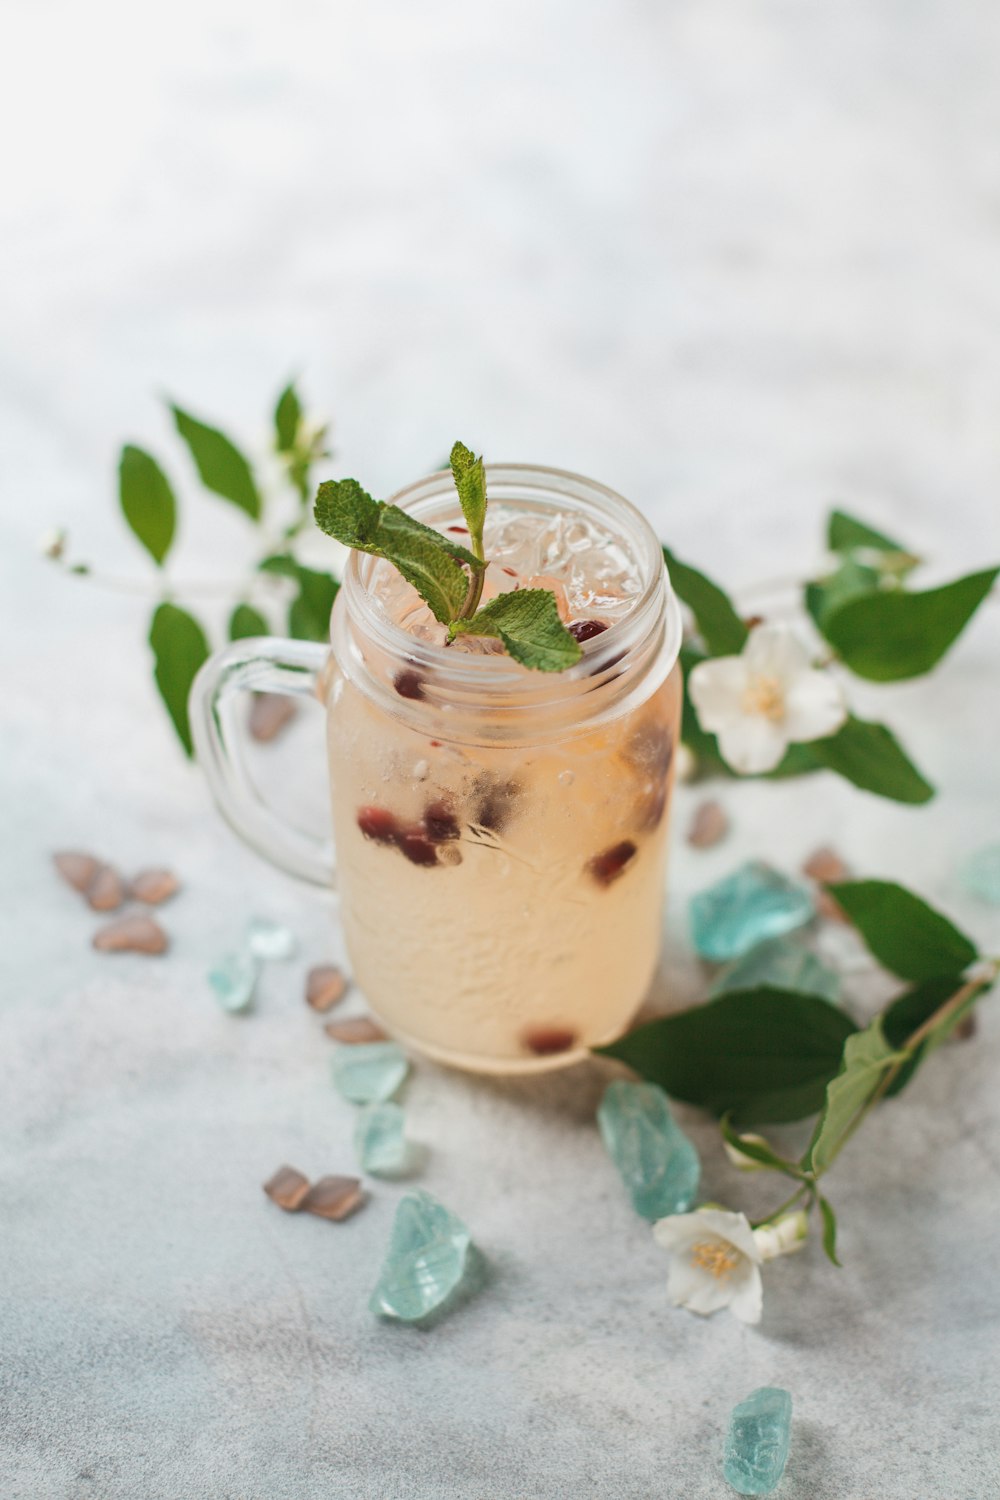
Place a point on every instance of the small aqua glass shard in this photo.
(368, 1072)
(980, 874)
(379, 1140)
(760, 1430)
(782, 963)
(233, 980)
(426, 1260)
(657, 1163)
(750, 905)
(270, 941)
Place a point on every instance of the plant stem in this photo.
(782, 1207)
(477, 579)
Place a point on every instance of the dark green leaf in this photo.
(845, 533)
(763, 1054)
(528, 623)
(246, 621)
(871, 757)
(179, 649)
(867, 1058)
(904, 933)
(912, 1009)
(758, 1151)
(147, 501)
(851, 580)
(221, 466)
(287, 416)
(719, 626)
(346, 511)
(829, 1228)
(470, 481)
(309, 611)
(894, 634)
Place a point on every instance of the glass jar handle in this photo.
(255, 665)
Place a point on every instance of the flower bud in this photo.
(784, 1236)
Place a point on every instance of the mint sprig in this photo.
(446, 575)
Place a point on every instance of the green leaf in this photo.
(719, 626)
(147, 501)
(758, 1151)
(287, 417)
(867, 1058)
(845, 533)
(763, 1054)
(179, 649)
(246, 621)
(904, 933)
(829, 1228)
(528, 623)
(346, 511)
(221, 466)
(871, 757)
(894, 634)
(912, 1009)
(470, 481)
(309, 611)
(850, 581)
(428, 561)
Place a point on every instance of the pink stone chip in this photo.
(326, 986)
(287, 1188)
(826, 865)
(709, 824)
(154, 886)
(333, 1197)
(78, 870)
(269, 713)
(131, 935)
(106, 892)
(355, 1029)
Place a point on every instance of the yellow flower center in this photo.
(764, 695)
(715, 1257)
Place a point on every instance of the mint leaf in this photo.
(309, 611)
(470, 481)
(867, 1058)
(179, 649)
(287, 417)
(892, 635)
(766, 1055)
(221, 466)
(348, 513)
(904, 933)
(719, 626)
(846, 533)
(147, 501)
(872, 758)
(246, 621)
(527, 622)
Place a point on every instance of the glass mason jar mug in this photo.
(500, 833)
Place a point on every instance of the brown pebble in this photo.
(355, 1029)
(966, 1028)
(325, 987)
(825, 865)
(287, 1188)
(131, 935)
(269, 713)
(333, 1197)
(544, 1041)
(106, 892)
(78, 870)
(709, 824)
(154, 886)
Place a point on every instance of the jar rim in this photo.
(489, 677)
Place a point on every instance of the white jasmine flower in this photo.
(715, 1262)
(765, 699)
(784, 1236)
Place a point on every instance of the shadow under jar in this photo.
(500, 832)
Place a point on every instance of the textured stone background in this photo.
(736, 259)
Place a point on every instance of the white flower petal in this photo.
(698, 1290)
(752, 744)
(679, 1231)
(722, 1224)
(775, 651)
(717, 689)
(748, 1299)
(814, 706)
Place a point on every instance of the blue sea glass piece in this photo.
(379, 1140)
(426, 1260)
(760, 1429)
(368, 1072)
(233, 980)
(741, 911)
(783, 964)
(655, 1160)
(270, 941)
(980, 874)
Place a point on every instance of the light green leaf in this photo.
(309, 611)
(763, 1054)
(758, 1151)
(346, 511)
(904, 933)
(871, 757)
(527, 622)
(829, 1228)
(246, 621)
(719, 626)
(850, 581)
(894, 634)
(846, 533)
(867, 1058)
(427, 560)
(179, 649)
(147, 501)
(287, 417)
(221, 466)
(470, 481)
